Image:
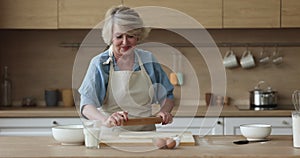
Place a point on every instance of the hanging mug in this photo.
(247, 60)
(263, 59)
(277, 59)
(230, 60)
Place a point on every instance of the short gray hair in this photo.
(123, 16)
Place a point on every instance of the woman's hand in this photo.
(116, 119)
(166, 117)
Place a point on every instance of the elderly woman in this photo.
(124, 81)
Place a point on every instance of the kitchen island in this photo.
(208, 146)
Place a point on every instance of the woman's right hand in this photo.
(116, 119)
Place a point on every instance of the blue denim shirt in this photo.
(94, 84)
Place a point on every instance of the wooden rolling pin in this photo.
(142, 121)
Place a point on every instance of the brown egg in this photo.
(160, 143)
(171, 143)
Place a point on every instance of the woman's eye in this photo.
(130, 36)
(120, 36)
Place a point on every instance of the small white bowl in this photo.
(256, 131)
(68, 134)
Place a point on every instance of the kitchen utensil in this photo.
(68, 134)
(247, 60)
(263, 98)
(146, 138)
(142, 121)
(209, 99)
(255, 131)
(241, 142)
(296, 99)
(28, 102)
(226, 100)
(6, 89)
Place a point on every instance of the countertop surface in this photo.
(200, 111)
(208, 146)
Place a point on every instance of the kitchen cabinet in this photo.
(280, 125)
(29, 14)
(32, 126)
(202, 126)
(83, 14)
(290, 13)
(251, 14)
(207, 12)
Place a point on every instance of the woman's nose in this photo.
(124, 41)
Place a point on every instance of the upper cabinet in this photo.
(83, 13)
(207, 12)
(251, 13)
(86, 14)
(290, 13)
(29, 14)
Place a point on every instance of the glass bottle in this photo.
(6, 86)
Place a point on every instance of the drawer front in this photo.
(280, 125)
(32, 126)
(198, 126)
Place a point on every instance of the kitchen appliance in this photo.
(263, 98)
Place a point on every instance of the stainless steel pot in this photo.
(263, 98)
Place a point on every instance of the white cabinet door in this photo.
(32, 126)
(280, 125)
(198, 126)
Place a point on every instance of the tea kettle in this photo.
(263, 98)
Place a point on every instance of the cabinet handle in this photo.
(219, 123)
(54, 123)
(285, 122)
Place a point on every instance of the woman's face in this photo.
(122, 41)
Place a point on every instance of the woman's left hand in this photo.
(166, 117)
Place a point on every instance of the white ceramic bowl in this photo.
(68, 134)
(255, 131)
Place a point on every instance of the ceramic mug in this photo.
(179, 78)
(173, 78)
(247, 60)
(230, 60)
(278, 60)
(51, 97)
(67, 96)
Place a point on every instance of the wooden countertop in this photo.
(226, 111)
(209, 146)
(38, 112)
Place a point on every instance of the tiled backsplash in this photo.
(37, 61)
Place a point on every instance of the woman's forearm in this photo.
(92, 113)
(167, 106)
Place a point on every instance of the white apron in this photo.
(129, 91)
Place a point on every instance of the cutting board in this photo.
(145, 138)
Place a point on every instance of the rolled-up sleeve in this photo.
(92, 90)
